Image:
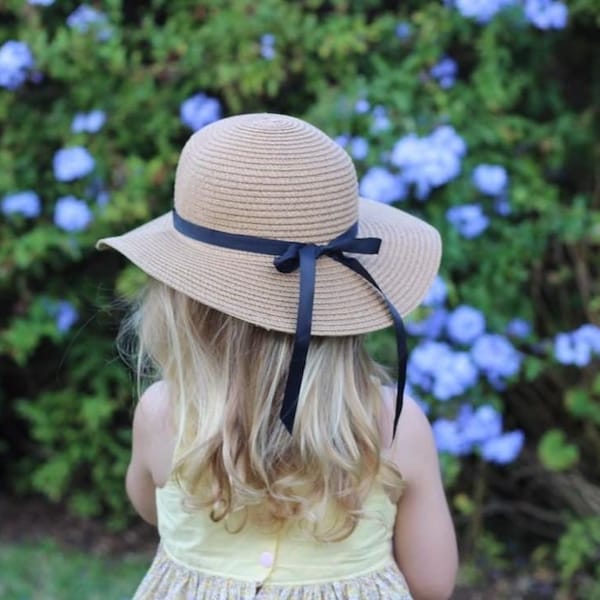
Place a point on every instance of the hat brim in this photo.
(247, 286)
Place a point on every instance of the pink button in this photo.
(266, 559)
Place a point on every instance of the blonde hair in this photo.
(225, 379)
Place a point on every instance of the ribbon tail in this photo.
(401, 346)
(402, 351)
(307, 259)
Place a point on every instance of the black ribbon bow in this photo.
(290, 256)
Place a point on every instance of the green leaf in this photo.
(555, 453)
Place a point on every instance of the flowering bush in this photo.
(477, 115)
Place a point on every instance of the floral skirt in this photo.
(168, 580)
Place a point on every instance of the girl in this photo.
(272, 454)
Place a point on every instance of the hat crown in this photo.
(267, 175)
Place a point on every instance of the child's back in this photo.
(266, 457)
(417, 532)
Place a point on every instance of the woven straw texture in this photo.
(278, 177)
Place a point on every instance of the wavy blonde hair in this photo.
(225, 380)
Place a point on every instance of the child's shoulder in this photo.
(153, 431)
(153, 406)
(414, 439)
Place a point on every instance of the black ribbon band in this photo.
(296, 255)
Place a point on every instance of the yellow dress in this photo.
(198, 559)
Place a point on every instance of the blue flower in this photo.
(102, 198)
(86, 18)
(26, 204)
(381, 122)
(436, 368)
(15, 62)
(362, 106)
(519, 328)
(502, 206)
(445, 136)
(359, 148)
(503, 449)
(490, 179)
(342, 140)
(430, 161)
(40, 2)
(66, 315)
(468, 220)
(465, 324)
(454, 376)
(90, 122)
(72, 163)
(431, 327)
(423, 363)
(403, 30)
(267, 46)
(449, 438)
(199, 110)
(72, 214)
(481, 425)
(381, 185)
(496, 357)
(437, 293)
(444, 72)
(546, 14)
(481, 11)
(589, 334)
(577, 347)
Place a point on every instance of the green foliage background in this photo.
(526, 99)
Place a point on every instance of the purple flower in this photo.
(362, 106)
(496, 357)
(359, 148)
(431, 327)
(72, 214)
(72, 163)
(90, 122)
(199, 110)
(444, 72)
(490, 179)
(577, 347)
(66, 315)
(519, 328)
(465, 324)
(468, 220)
(437, 293)
(381, 185)
(15, 62)
(448, 437)
(546, 14)
(503, 449)
(267, 46)
(430, 161)
(26, 204)
(86, 18)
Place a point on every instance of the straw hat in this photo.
(277, 177)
